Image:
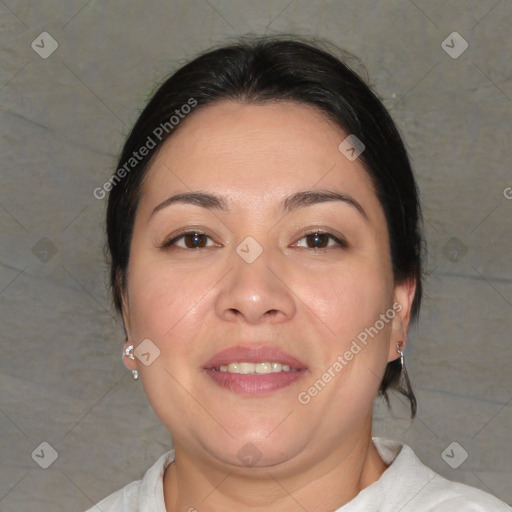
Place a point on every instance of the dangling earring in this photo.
(398, 349)
(402, 363)
(128, 353)
(408, 392)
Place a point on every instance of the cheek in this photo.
(347, 299)
(163, 300)
(152, 303)
(166, 307)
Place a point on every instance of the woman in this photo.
(264, 232)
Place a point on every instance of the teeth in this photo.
(256, 368)
(263, 368)
(246, 368)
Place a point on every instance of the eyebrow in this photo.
(291, 203)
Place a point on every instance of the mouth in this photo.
(254, 369)
(261, 368)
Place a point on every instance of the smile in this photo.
(245, 368)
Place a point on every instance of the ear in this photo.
(125, 304)
(131, 364)
(404, 296)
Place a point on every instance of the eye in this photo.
(320, 240)
(190, 240)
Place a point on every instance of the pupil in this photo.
(195, 240)
(318, 239)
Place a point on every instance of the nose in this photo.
(255, 292)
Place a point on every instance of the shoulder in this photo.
(413, 487)
(445, 495)
(145, 495)
(123, 500)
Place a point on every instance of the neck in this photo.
(194, 485)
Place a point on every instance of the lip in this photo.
(249, 384)
(253, 354)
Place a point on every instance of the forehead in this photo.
(254, 151)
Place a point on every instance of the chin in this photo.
(253, 450)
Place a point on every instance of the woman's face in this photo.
(274, 274)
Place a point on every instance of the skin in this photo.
(307, 299)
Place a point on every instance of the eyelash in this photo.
(340, 242)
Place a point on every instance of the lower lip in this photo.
(254, 384)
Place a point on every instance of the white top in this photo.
(406, 485)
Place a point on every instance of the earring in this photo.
(400, 351)
(129, 353)
(408, 390)
(402, 363)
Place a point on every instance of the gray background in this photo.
(63, 120)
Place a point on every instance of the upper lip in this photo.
(253, 354)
